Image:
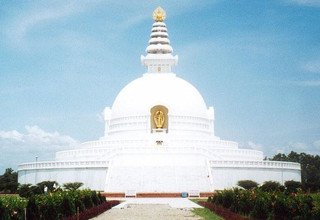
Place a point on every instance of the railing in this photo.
(256, 164)
(219, 152)
(62, 165)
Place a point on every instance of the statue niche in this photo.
(159, 119)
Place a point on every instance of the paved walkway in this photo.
(172, 202)
(152, 208)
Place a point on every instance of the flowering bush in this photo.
(12, 207)
(259, 204)
(54, 206)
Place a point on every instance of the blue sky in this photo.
(62, 62)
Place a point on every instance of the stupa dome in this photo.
(159, 138)
(166, 89)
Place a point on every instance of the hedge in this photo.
(54, 206)
(259, 204)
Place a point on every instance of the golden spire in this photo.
(159, 14)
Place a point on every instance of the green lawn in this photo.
(206, 214)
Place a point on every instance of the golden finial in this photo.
(159, 14)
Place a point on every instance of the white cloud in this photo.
(279, 151)
(254, 146)
(312, 66)
(317, 144)
(299, 146)
(17, 147)
(40, 14)
(15, 135)
(307, 83)
(270, 151)
(128, 14)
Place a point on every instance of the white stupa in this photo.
(159, 137)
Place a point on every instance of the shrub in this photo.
(87, 201)
(292, 186)
(95, 198)
(262, 206)
(281, 207)
(247, 184)
(227, 199)
(48, 184)
(32, 209)
(2, 208)
(12, 207)
(246, 202)
(259, 204)
(67, 206)
(52, 206)
(270, 186)
(25, 191)
(72, 186)
(316, 208)
(102, 198)
(49, 206)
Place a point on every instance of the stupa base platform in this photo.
(155, 194)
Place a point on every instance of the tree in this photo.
(25, 190)
(310, 168)
(72, 186)
(247, 184)
(9, 181)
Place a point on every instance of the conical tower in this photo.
(159, 57)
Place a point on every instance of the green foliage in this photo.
(12, 207)
(32, 209)
(72, 186)
(25, 191)
(270, 186)
(243, 201)
(95, 198)
(292, 186)
(9, 181)
(68, 206)
(260, 204)
(310, 168)
(28, 190)
(48, 184)
(51, 206)
(247, 184)
(316, 203)
(87, 201)
(101, 198)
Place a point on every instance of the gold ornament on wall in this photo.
(158, 119)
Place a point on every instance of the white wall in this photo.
(93, 178)
(227, 177)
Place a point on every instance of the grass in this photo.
(206, 214)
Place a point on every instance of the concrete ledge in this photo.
(152, 194)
